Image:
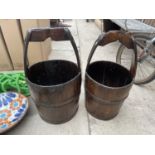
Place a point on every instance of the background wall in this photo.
(12, 34)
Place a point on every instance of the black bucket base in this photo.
(60, 114)
(100, 109)
(60, 122)
(103, 118)
(96, 115)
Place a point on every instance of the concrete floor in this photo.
(137, 115)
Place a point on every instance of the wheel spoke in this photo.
(150, 61)
(142, 73)
(145, 68)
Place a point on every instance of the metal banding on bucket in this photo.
(54, 84)
(107, 84)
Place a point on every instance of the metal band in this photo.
(104, 101)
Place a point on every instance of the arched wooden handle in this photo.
(123, 38)
(56, 34)
(112, 36)
(41, 34)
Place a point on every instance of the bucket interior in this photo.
(109, 74)
(52, 72)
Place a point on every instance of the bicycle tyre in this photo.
(121, 49)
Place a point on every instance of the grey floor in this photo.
(137, 115)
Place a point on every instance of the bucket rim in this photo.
(57, 85)
(102, 85)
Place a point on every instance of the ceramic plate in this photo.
(13, 107)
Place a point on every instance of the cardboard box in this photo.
(46, 45)
(14, 32)
(5, 63)
(37, 51)
(14, 42)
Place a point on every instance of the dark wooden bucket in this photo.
(54, 84)
(107, 84)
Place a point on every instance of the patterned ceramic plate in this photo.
(13, 107)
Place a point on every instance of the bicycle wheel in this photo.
(145, 68)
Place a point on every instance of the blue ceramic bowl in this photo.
(13, 107)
